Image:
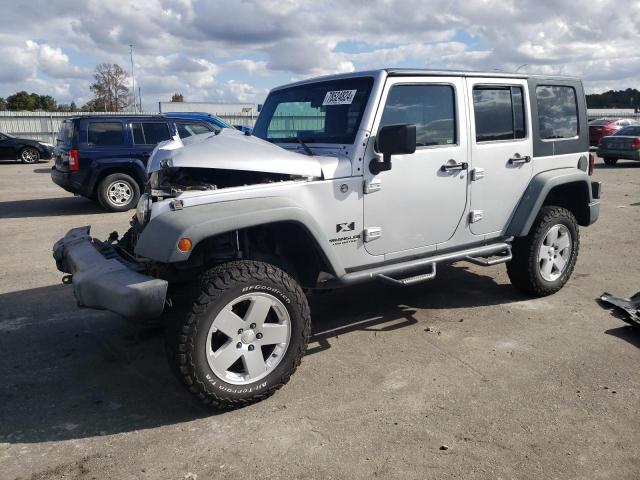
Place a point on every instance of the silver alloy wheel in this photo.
(244, 347)
(119, 193)
(555, 252)
(29, 155)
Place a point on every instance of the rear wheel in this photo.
(610, 161)
(118, 192)
(29, 155)
(239, 334)
(544, 260)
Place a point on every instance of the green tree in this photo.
(45, 102)
(109, 89)
(3, 104)
(177, 97)
(21, 101)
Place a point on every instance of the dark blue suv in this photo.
(104, 157)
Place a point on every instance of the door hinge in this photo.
(372, 233)
(477, 174)
(475, 216)
(373, 185)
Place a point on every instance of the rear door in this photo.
(501, 150)
(146, 135)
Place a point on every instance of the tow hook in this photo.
(67, 279)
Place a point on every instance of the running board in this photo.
(405, 282)
(390, 273)
(494, 261)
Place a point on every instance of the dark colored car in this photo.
(601, 127)
(625, 143)
(104, 157)
(23, 149)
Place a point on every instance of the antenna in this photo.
(133, 78)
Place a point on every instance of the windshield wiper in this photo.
(305, 147)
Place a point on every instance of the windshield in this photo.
(322, 112)
(596, 123)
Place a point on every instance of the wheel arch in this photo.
(131, 169)
(262, 228)
(568, 188)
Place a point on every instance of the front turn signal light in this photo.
(185, 245)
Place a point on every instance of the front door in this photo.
(420, 201)
(501, 149)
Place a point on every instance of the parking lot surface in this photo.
(462, 377)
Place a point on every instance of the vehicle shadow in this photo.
(70, 373)
(379, 307)
(627, 333)
(49, 207)
(42, 170)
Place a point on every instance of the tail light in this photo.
(592, 161)
(73, 160)
(635, 144)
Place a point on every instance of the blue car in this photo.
(104, 157)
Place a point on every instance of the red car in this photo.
(603, 127)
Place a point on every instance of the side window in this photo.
(148, 133)
(430, 107)
(499, 113)
(557, 111)
(105, 133)
(187, 129)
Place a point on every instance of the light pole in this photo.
(133, 78)
(521, 66)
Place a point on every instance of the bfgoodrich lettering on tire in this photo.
(544, 260)
(239, 333)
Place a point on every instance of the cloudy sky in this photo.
(236, 50)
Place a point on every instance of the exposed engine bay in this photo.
(170, 182)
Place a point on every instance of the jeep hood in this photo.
(232, 150)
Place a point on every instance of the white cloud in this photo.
(216, 48)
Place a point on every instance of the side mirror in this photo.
(393, 140)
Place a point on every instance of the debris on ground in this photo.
(630, 307)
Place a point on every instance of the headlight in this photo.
(143, 209)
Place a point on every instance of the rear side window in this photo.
(148, 133)
(431, 108)
(499, 113)
(188, 129)
(557, 111)
(67, 132)
(105, 133)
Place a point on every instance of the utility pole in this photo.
(133, 78)
(140, 97)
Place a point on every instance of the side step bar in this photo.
(405, 282)
(389, 273)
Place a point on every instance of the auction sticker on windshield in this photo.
(339, 97)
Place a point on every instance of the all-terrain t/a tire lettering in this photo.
(205, 331)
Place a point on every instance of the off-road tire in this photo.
(524, 270)
(194, 309)
(610, 161)
(103, 192)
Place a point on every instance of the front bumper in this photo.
(106, 281)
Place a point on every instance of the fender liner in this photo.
(159, 239)
(537, 191)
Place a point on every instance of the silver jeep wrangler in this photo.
(378, 175)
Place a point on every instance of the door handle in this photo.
(518, 160)
(452, 166)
